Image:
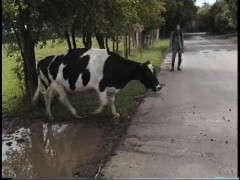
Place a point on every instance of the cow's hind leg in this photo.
(103, 102)
(51, 92)
(64, 100)
(113, 108)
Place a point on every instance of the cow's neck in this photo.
(133, 71)
(121, 71)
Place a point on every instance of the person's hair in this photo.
(180, 32)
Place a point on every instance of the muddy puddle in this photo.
(50, 150)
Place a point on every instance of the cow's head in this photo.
(148, 77)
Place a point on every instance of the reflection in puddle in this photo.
(47, 150)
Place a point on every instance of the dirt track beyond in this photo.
(189, 129)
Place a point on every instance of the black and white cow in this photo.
(82, 69)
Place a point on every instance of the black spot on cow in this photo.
(75, 66)
(43, 66)
(54, 66)
(118, 72)
(86, 77)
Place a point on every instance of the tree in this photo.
(219, 18)
(205, 19)
(181, 12)
(23, 25)
(151, 16)
(229, 8)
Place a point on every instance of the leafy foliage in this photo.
(219, 18)
(181, 12)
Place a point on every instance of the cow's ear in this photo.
(145, 63)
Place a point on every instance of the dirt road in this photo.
(189, 129)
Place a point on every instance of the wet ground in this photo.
(66, 149)
(189, 129)
(50, 150)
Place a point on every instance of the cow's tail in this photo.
(36, 94)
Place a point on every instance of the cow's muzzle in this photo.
(158, 87)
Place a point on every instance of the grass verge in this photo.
(234, 38)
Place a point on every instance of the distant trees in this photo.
(181, 12)
(219, 18)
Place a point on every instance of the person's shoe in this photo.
(172, 69)
(179, 69)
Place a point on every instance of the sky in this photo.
(200, 2)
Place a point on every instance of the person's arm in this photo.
(183, 40)
(170, 41)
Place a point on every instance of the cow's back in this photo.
(96, 64)
(77, 69)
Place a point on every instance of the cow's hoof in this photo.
(78, 117)
(95, 113)
(117, 115)
(50, 118)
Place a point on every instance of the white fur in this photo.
(96, 65)
(150, 67)
(36, 95)
(49, 75)
(158, 86)
(43, 77)
(112, 90)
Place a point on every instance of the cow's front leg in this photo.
(113, 108)
(51, 92)
(64, 99)
(103, 102)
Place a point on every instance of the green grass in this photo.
(155, 54)
(14, 102)
(233, 38)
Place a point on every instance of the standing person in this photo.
(177, 44)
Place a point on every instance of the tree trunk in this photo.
(129, 45)
(140, 42)
(157, 34)
(134, 40)
(106, 40)
(146, 41)
(30, 63)
(73, 38)
(28, 53)
(117, 44)
(125, 46)
(113, 44)
(27, 88)
(23, 58)
(68, 40)
(142, 36)
(150, 38)
(100, 40)
(87, 40)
